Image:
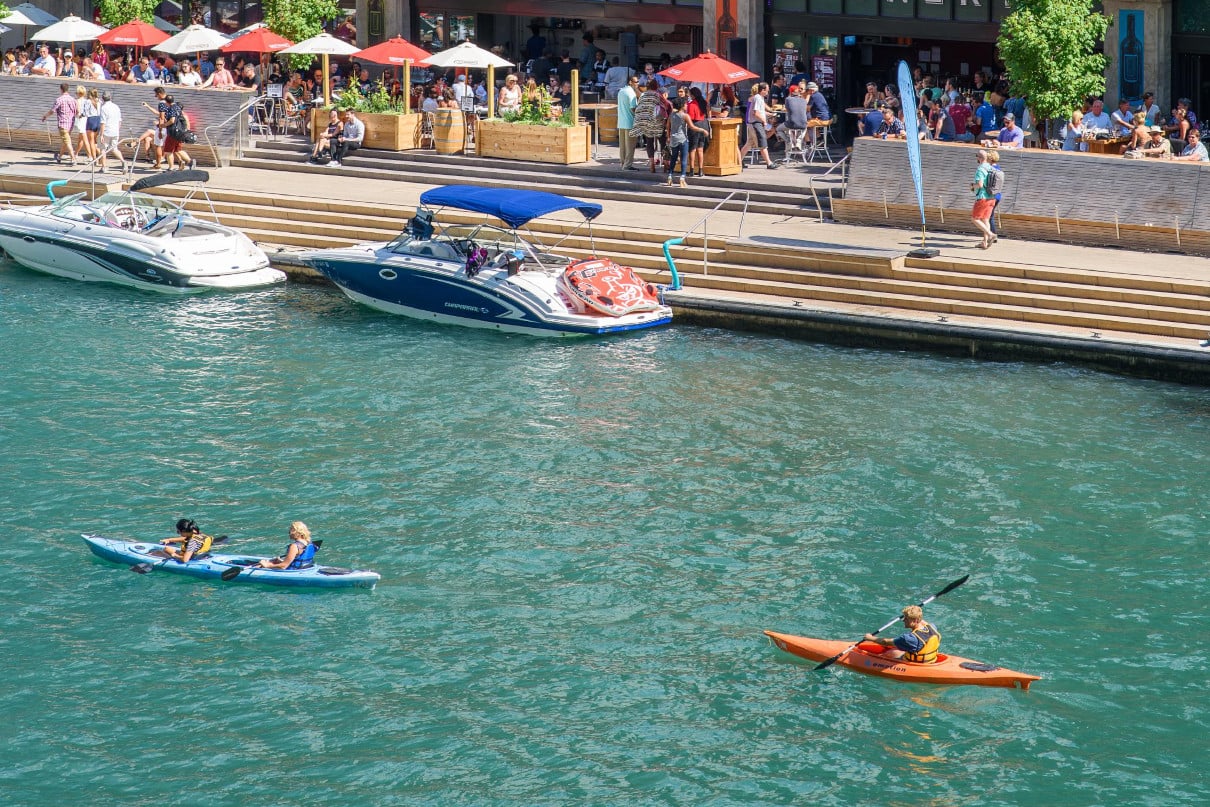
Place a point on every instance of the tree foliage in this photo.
(4, 11)
(120, 12)
(1048, 47)
(297, 20)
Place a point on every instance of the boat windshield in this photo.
(129, 211)
(457, 240)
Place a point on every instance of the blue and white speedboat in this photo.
(487, 276)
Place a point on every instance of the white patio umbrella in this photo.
(26, 15)
(472, 57)
(323, 45)
(31, 13)
(70, 29)
(194, 39)
(468, 55)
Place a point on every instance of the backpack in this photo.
(995, 181)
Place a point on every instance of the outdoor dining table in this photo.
(596, 129)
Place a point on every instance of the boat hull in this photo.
(213, 566)
(949, 669)
(522, 303)
(94, 253)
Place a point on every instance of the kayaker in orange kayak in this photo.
(919, 643)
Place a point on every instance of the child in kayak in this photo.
(919, 643)
(192, 540)
(298, 554)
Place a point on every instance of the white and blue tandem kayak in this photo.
(231, 568)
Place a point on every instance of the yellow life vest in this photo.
(207, 540)
(932, 640)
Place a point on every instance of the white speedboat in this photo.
(134, 239)
(486, 276)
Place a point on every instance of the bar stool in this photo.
(821, 137)
(796, 148)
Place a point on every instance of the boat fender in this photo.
(978, 666)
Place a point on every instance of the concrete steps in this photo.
(947, 287)
(778, 193)
(869, 280)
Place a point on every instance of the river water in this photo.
(580, 545)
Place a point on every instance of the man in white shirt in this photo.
(616, 78)
(1123, 119)
(349, 139)
(45, 64)
(1097, 118)
(111, 130)
(460, 89)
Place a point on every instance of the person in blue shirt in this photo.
(143, 72)
(206, 66)
(299, 554)
(986, 115)
(816, 105)
(871, 122)
(917, 644)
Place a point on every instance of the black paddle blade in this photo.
(141, 568)
(951, 586)
(230, 574)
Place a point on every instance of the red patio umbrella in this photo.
(395, 50)
(708, 69)
(258, 40)
(136, 34)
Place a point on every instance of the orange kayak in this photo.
(867, 658)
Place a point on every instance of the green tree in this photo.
(1049, 48)
(120, 12)
(297, 20)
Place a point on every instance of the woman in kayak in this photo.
(299, 553)
(192, 540)
(919, 643)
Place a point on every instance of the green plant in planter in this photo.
(378, 100)
(538, 112)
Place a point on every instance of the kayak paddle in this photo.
(825, 664)
(144, 568)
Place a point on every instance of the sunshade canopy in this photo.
(137, 33)
(514, 207)
(709, 69)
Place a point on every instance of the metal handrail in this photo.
(841, 163)
(239, 141)
(672, 242)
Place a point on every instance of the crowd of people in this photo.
(992, 115)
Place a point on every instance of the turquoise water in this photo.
(580, 545)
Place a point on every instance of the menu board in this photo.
(823, 71)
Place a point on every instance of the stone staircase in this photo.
(785, 192)
(815, 274)
(782, 274)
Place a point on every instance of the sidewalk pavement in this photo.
(671, 220)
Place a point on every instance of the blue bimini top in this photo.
(514, 207)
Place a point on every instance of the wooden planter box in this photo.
(540, 144)
(383, 131)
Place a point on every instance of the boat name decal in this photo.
(463, 307)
